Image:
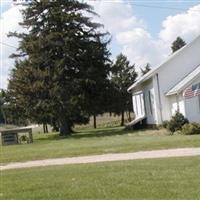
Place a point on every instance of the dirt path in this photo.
(182, 152)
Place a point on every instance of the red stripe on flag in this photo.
(189, 93)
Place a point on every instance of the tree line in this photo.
(63, 73)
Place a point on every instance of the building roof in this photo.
(184, 82)
(142, 79)
(155, 70)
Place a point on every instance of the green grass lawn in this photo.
(156, 179)
(100, 141)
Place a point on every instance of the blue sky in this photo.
(150, 11)
(4, 5)
(142, 30)
(157, 23)
(155, 16)
(154, 13)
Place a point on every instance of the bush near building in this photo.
(176, 123)
(191, 129)
(180, 124)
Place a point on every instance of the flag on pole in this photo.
(192, 91)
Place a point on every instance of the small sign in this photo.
(192, 91)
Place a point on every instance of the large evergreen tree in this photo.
(123, 75)
(9, 113)
(59, 56)
(97, 80)
(177, 44)
(2, 112)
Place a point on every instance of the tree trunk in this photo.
(122, 118)
(4, 116)
(129, 115)
(46, 128)
(65, 129)
(95, 121)
(55, 126)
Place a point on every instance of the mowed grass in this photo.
(90, 142)
(156, 179)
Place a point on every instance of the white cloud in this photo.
(132, 37)
(116, 15)
(186, 25)
(138, 45)
(9, 22)
(135, 35)
(129, 32)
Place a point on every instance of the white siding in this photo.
(174, 71)
(177, 104)
(193, 109)
(170, 74)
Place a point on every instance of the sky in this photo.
(142, 30)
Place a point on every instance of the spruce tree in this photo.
(96, 89)
(57, 62)
(178, 44)
(123, 75)
(2, 112)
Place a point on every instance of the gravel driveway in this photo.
(181, 152)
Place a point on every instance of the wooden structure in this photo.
(12, 136)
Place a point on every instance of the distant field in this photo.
(104, 121)
(156, 179)
(3, 126)
(90, 142)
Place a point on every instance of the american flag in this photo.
(192, 91)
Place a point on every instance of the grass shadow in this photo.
(100, 133)
(92, 133)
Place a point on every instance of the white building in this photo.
(160, 93)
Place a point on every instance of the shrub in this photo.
(165, 124)
(176, 123)
(177, 132)
(191, 129)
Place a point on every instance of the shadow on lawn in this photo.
(114, 131)
(106, 132)
(100, 133)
